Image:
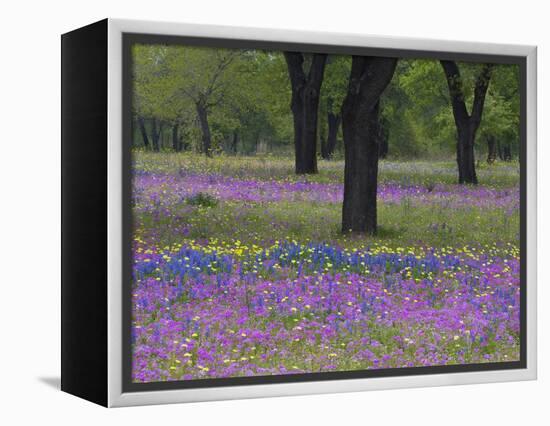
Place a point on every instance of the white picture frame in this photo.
(116, 396)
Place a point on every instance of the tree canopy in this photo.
(245, 96)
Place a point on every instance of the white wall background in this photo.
(30, 200)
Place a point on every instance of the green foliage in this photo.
(153, 86)
(502, 107)
(417, 105)
(419, 95)
(247, 94)
(335, 83)
(202, 199)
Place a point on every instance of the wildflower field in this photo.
(240, 269)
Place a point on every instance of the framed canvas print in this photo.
(251, 212)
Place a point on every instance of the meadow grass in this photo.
(402, 223)
(269, 167)
(399, 225)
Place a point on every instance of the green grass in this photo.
(266, 167)
(404, 224)
(399, 225)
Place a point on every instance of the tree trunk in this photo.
(491, 149)
(143, 131)
(234, 142)
(202, 112)
(507, 152)
(383, 137)
(360, 115)
(333, 125)
(184, 144)
(499, 150)
(176, 146)
(323, 139)
(359, 213)
(304, 106)
(466, 124)
(465, 154)
(156, 130)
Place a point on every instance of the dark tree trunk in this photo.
(383, 137)
(202, 112)
(176, 146)
(507, 152)
(360, 122)
(359, 213)
(184, 145)
(323, 139)
(333, 123)
(143, 131)
(156, 131)
(465, 154)
(491, 149)
(333, 120)
(499, 151)
(466, 124)
(304, 106)
(234, 142)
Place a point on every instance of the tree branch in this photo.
(371, 75)
(482, 84)
(295, 61)
(454, 81)
(223, 63)
(317, 69)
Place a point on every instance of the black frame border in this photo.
(84, 183)
(129, 39)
